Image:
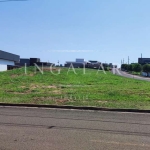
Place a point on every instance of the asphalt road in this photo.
(125, 74)
(55, 129)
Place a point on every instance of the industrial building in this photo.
(8, 60)
(79, 63)
(32, 61)
(143, 61)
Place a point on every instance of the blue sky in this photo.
(109, 30)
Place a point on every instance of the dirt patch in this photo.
(51, 69)
(61, 101)
(14, 75)
(50, 87)
(22, 87)
(36, 89)
(34, 86)
(56, 92)
(102, 101)
(21, 93)
(56, 100)
(31, 74)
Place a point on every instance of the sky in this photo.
(103, 30)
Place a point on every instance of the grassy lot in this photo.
(90, 89)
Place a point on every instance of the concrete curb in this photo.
(74, 107)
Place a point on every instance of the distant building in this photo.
(8, 60)
(79, 63)
(80, 60)
(111, 65)
(143, 61)
(23, 61)
(93, 64)
(32, 62)
(94, 61)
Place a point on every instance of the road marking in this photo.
(119, 143)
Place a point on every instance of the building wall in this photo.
(75, 65)
(23, 62)
(144, 60)
(3, 67)
(4, 63)
(34, 60)
(80, 60)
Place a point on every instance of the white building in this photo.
(7, 60)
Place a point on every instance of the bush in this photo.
(137, 68)
(146, 68)
(124, 67)
(130, 67)
(106, 69)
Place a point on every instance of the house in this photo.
(8, 60)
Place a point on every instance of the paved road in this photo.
(125, 74)
(54, 129)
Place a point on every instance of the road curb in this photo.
(74, 107)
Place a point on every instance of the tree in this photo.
(130, 67)
(124, 67)
(137, 67)
(146, 68)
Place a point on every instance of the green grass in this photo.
(90, 89)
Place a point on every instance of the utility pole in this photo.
(128, 60)
(123, 61)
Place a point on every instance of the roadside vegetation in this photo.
(136, 68)
(90, 89)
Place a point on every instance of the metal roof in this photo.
(9, 56)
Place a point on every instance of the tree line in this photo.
(136, 67)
